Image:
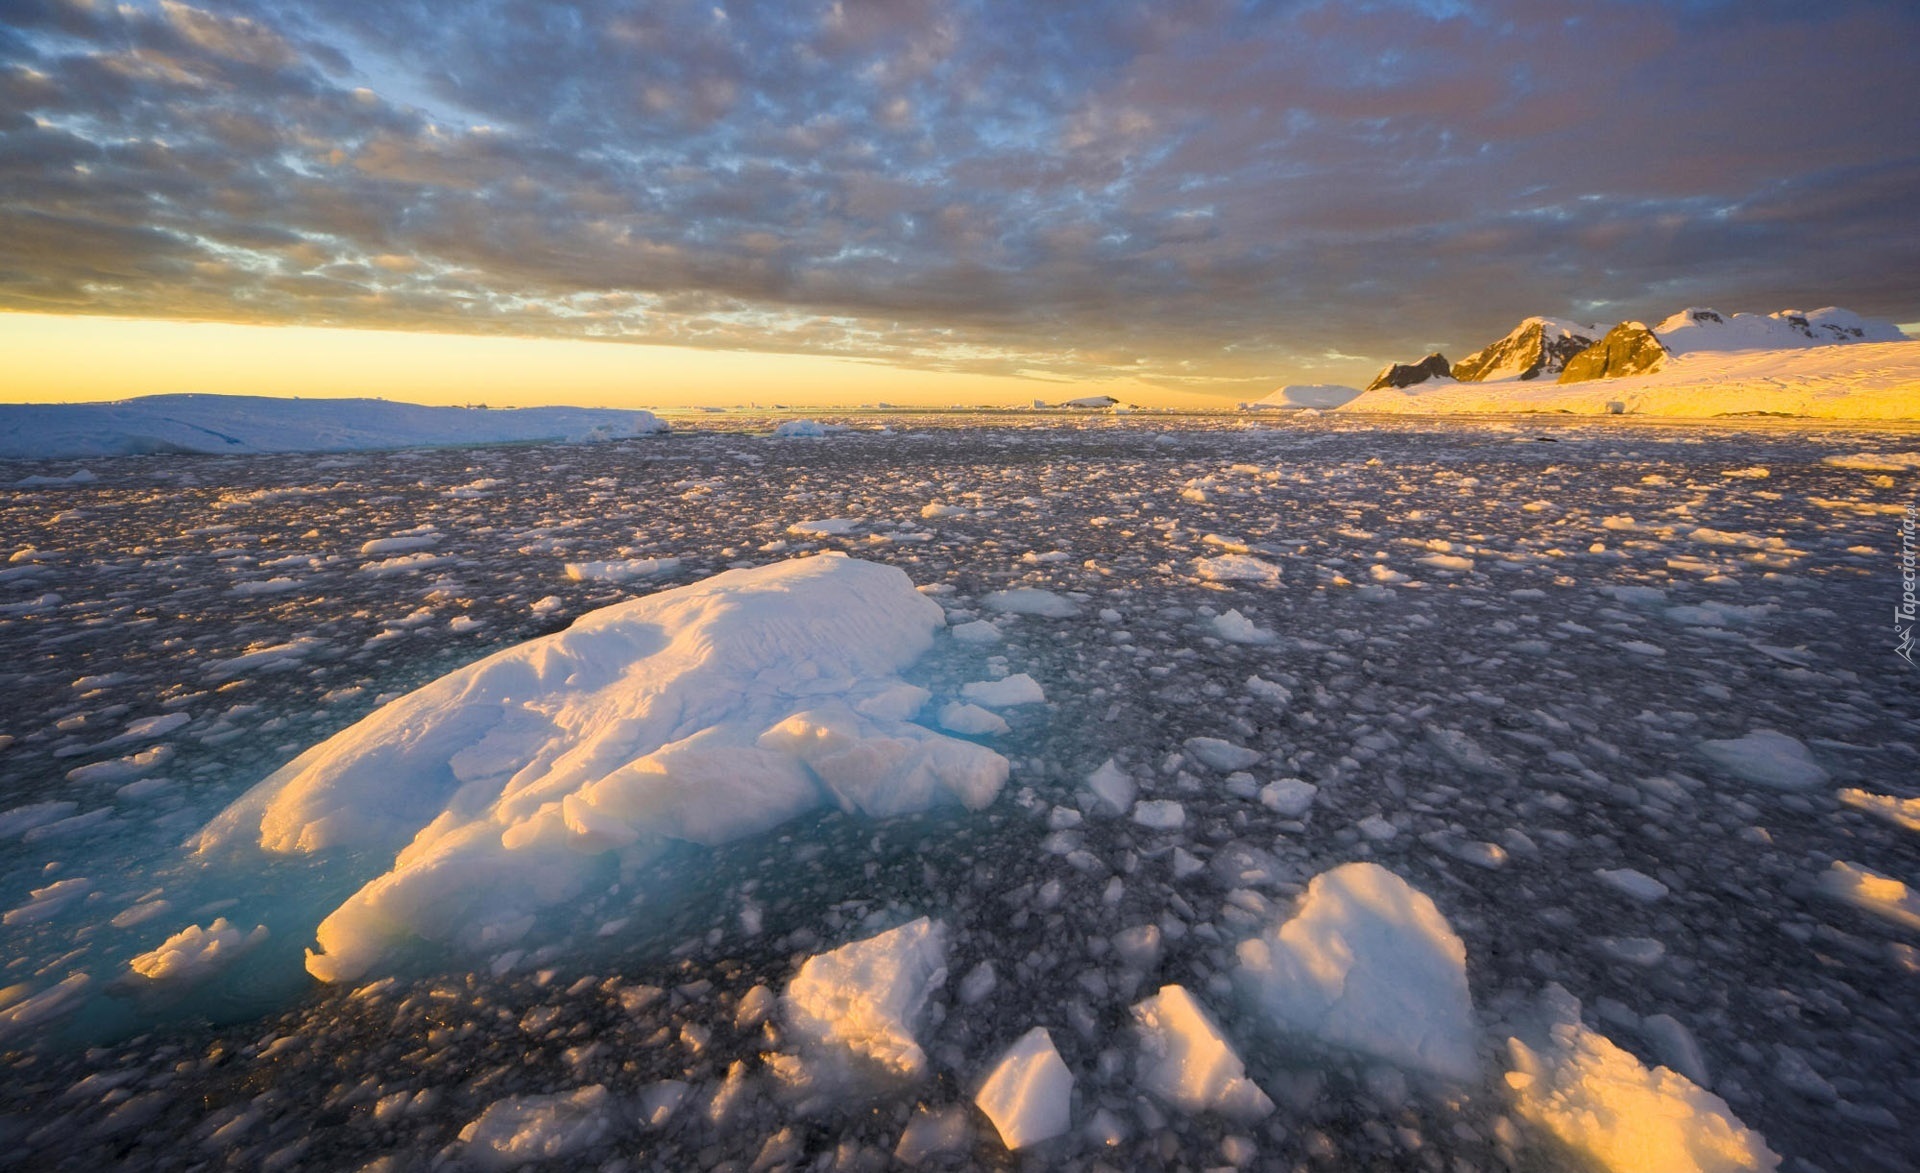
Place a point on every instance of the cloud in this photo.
(1208, 194)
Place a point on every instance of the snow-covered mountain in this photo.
(1537, 346)
(1693, 329)
(234, 424)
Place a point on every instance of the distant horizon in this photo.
(129, 358)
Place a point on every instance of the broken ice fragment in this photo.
(867, 997)
(1185, 1060)
(1029, 1095)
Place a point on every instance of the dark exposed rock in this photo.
(1402, 374)
(1537, 346)
(1628, 349)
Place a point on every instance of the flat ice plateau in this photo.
(961, 792)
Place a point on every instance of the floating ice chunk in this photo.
(1138, 947)
(822, 528)
(1112, 786)
(1162, 814)
(899, 702)
(1608, 1108)
(1636, 884)
(1450, 562)
(46, 903)
(522, 1129)
(1290, 798)
(21, 1012)
(867, 998)
(1869, 891)
(1377, 828)
(1237, 628)
(1902, 812)
(1367, 963)
(1031, 601)
(801, 429)
(22, 819)
(978, 984)
(1223, 756)
(1275, 694)
(1018, 689)
(936, 509)
(1877, 461)
(620, 571)
(398, 545)
(267, 659)
(1676, 1047)
(1767, 757)
(979, 631)
(1236, 568)
(121, 770)
(1029, 1095)
(656, 719)
(547, 605)
(971, 720)
(934, 1132)
(1186, 1061)
(148, 728)
(194, 953)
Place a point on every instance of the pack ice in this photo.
(705, 713)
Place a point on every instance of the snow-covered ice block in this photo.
(1634, 883)
(1112, 786)
(1234, 627)
(1185, 1060)
(1902, 812)
(1767, 757)
(1162, 814)
(1018, 689)
(1223, 756)
(867, 998)
(704, 713)
(801, 429)
(978, 631)
(523, 1129)
(1367, 963)
(43, 904)
(194, 953)
(622, 570)
(1236, 568)
(822, 528)
(1289, 798)
(1869, 891)
(1610, 1110)
(1029, 1095)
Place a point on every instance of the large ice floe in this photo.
(1617, 1115)
(705, 713)
(1367, 964)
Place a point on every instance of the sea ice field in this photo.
(967, 792)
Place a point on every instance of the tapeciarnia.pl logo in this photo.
(1906, 613)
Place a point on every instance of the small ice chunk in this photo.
(1138, 947)
(1767, 757)
(1223, 756)
(1608, 1108)
(1367, 963)
(1275, 694)
(1234, 627)
(1636, 884)
(1675, 1045)
(867, 997)
(194, 954)
(622, 570)
(1018, 689)
(1869, 891)
(1031, 601)
(521, 1129)
(1902, 812)
(1377, 828)
(43, 904)
(1236, 568)
(1029, 1095)
(1162, 814)
(934, 1132)
(825, 527)
(1112, 786)
(1290, 798)
(1186, 1061)
(19, 1014)
(978, 631)
(971, 720)
(978, 984)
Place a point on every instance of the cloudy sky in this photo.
(1206, 198)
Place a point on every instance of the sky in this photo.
(919, 201)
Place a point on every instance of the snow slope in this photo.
(1693, 330)
(1860, 380)
(705, 713)
(1295, 396)
(257, 423)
